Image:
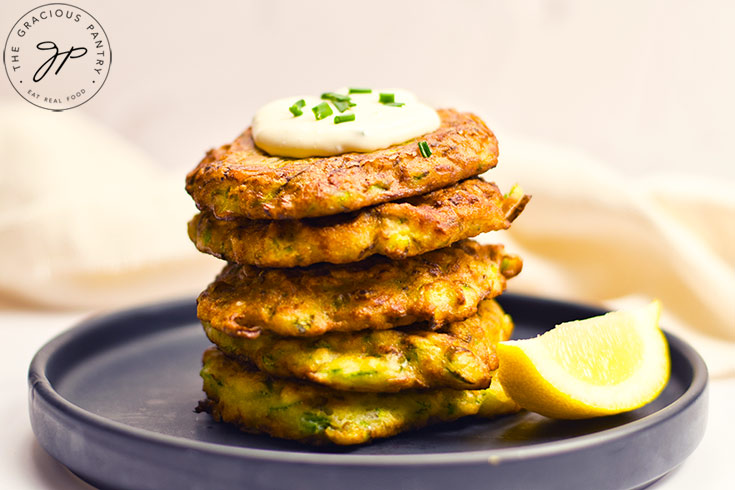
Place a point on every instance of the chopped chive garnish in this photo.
(341, 102)
(321, 111)
(344, 118)
(342, 105)
(395, 104)
(361, 90)
(424, 149)
(387, 98)
(335, 96)
(296, 107)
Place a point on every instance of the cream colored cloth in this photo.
(590, 235)
(88, 221)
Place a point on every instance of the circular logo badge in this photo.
(57, 56)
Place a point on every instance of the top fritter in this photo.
(239, 180)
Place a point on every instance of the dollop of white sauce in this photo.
(278, 132)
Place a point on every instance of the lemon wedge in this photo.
(588, 368)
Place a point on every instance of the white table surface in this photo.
(24, 465)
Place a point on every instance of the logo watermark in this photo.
(57, 56)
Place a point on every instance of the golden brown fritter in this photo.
(238, 180)
(460, 356)
(396, 229)
(306, 412)
(441, 286)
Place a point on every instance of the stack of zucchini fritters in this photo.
(353, 306)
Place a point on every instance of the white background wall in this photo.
(647, 85)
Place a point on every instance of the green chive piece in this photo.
(396, 104)
(361, 90)
(335, 96)
(341, 105)
(341, 102)
(296, 107)
(424, 149)
(387, 98)
(321, 111)
(344, 118)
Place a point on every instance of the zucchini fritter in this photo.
(240, 180)
(396, 229)
(460, 356)
(256, 402)
(437, 287)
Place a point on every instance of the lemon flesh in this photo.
(589, 368)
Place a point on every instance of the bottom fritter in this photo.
(258, 403)
(459, 356)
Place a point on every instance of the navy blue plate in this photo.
(113, 399)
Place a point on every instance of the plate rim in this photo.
(40, 384)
